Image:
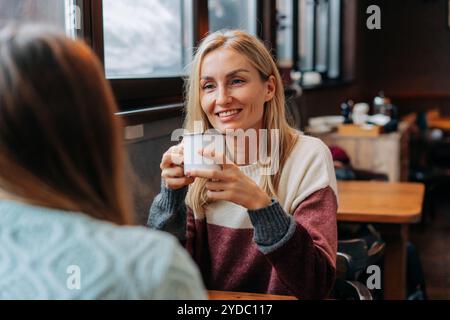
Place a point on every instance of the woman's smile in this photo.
(228, 115)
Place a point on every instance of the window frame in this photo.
(325, 74)
(160, 94)
(132, 93)
(296, 43)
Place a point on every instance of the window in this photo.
(285, 25)
(62, 14)
(232, 14)
(306, 34)
(145, 45)
(334, 49)
(148, 39)
(319, 36)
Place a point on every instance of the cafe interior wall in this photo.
(144, 154)
(408, 58)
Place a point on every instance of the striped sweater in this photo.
(287, 248)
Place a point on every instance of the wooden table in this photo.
(227, 295)
(394, 206)
(442, 123)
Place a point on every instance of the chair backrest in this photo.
(439, 154)
(357, 250)
(343, 262)
(376, 252)
(352, 258)
(350, 290)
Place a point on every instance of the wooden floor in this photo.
(432, 240)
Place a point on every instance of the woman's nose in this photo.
(223, 96)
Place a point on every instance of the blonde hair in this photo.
(274, 112)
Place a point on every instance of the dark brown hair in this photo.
(60, 142)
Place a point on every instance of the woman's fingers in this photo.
(208, 174)
(217, 156)
(178, 148)
(172, 156)
(215, 186)
(177, 159)
(172, 172)
(174, 177)
(177, 183)
(218, 195)
(229, 170)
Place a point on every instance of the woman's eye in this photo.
(237, 81)
(208, 86)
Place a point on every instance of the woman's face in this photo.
(232, 93)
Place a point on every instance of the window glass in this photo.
(148, 38)
(232, 14)
(306, 34)
(62, 14)
(322, 27)
(319, 36)
(285, 32)
(335, 39)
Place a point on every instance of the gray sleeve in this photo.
(272, 227)
(168, 212)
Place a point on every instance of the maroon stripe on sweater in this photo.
(304, 266)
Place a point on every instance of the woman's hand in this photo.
(172, 170)
(231, 184)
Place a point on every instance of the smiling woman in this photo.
(233, 96)
(250, 231)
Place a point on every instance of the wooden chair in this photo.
(353, 258)
(435, 173)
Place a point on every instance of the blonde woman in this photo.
(248, 231)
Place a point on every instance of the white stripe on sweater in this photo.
(308, 169)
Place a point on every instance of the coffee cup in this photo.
(360, 115)
(194, 142)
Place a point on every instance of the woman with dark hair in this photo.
(62, 193)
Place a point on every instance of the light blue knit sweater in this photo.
(53, 254)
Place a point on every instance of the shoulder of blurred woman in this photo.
(115, 262)
(162, 268)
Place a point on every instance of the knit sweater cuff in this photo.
(171, 198)
(270, 224)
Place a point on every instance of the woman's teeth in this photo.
(229, 113)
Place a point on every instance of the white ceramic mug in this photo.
(193, 142)
(360, 113)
